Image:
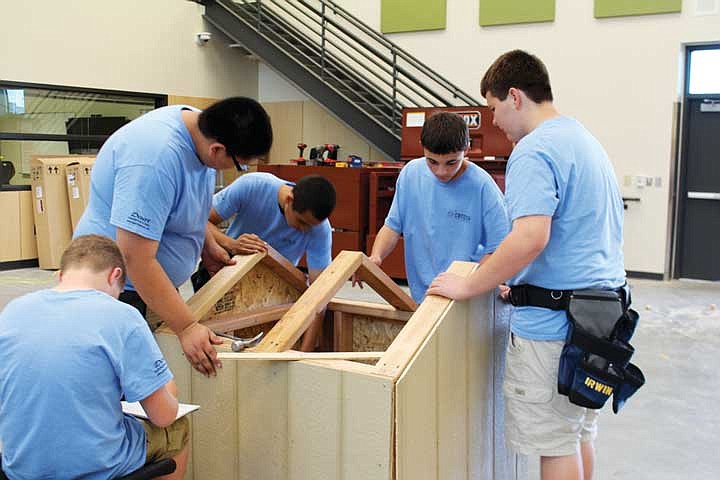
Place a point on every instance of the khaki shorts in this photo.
(538, 420)
(164, 443)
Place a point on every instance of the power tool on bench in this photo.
(300, 160)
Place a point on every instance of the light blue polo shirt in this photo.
(148, 180)
(463, 219)
(560, 170)
(66, 358)
(253, 200)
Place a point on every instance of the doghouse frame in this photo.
(409, 392)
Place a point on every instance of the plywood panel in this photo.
(260, 287)
(314, 422)
(372, 334)
(262, 450)
(452, 368)
(416, 416)
(215, 435)
(287, 124)
(366, 427)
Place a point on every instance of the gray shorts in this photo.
(538, 420)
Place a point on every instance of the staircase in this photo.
(356, 73)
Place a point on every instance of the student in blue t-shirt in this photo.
(567, 234)
(291, 218)
(67, 357)
(445, 207)
(151, 190)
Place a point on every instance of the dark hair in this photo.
(241, 124)
(521, 70)
(445, 132)
(95, 252)
(314, 193)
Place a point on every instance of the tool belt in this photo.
(595, 361)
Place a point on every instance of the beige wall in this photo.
(620, 77)
(135, 45)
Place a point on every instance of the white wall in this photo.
(274, 88)
(135, 45)
(620, 77)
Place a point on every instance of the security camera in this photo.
(202, 38)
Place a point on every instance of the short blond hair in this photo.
(95, 252)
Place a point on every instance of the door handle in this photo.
(704, 195)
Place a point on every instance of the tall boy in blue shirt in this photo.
(567, 234)
(445, 207)
(67, 356)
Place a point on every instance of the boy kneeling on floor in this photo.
(67, 356)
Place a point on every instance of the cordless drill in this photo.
(300, 160)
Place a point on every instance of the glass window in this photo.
(704, 72)
(42, 120)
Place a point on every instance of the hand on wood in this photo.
(197, 342)
(449, 285)
(246, 244)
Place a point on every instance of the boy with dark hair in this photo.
(151, 190)
(445, 207)
(67, 356)
(566, 212)
(291, 218)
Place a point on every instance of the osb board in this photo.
(260, 287)
(372, 334)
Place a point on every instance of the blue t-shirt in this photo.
(464, 219)
(66, 359)
(253, 199)
(560, 170)
(148, 180)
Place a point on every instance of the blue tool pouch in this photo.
(595, 361)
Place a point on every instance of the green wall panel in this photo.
(504, 12)
(621, 8)
(412, 15)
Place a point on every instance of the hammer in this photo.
(240, 344)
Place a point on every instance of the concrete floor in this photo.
(670, 429)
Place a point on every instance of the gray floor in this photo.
(670, 430)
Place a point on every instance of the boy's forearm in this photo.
(385, 243)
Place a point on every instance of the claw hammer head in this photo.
(240, 344)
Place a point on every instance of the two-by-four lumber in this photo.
(221, 282)
(293, 355)
(368, 309)
(342, 332)
(294, 323)
(225, 322)
(384, 286)
(414, 333)
(282, 267)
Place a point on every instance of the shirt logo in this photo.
(459, 216)
(160, 367)
(138, 220)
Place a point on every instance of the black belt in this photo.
(532, 296)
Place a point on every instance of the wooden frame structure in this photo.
(409, 391)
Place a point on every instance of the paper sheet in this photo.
(136, 410)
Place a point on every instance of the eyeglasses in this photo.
(240, 167)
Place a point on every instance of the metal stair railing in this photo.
(359, 63)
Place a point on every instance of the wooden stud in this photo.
(385, 286)
(221, 282)
(294, 323)
(412, 336)
(226, 322)
(342, 332)
(368, 309)
(293, 355)
(285, 270)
